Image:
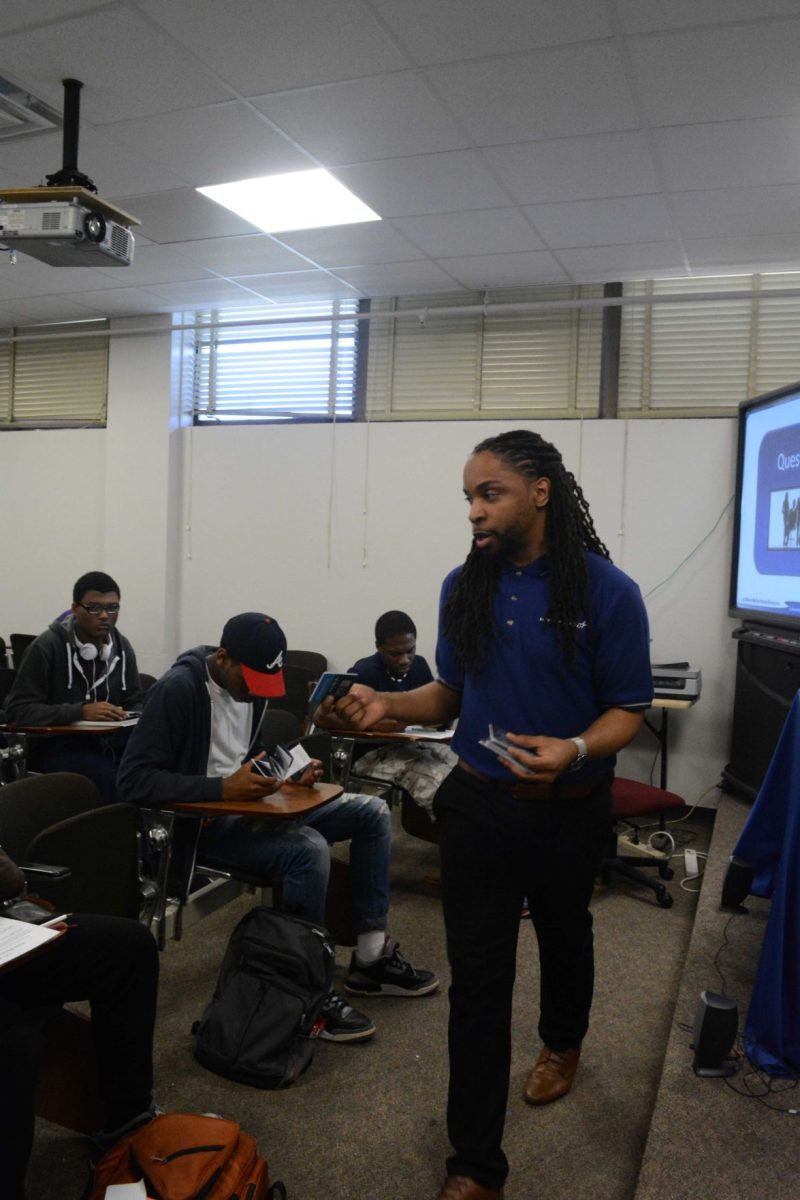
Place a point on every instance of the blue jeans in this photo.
(298, 854)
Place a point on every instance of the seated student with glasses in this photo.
(80, 669)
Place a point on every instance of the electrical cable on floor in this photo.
(693, 891)
(770, 1085)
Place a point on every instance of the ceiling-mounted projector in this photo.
(65, 223)
(65, 234)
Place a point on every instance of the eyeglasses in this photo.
(94, 610)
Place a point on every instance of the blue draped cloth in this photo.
(770, 843)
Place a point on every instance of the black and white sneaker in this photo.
(343, 1023)
(389, 975)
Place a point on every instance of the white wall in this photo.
(53, 492)
(326, 528)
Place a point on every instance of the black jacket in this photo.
(167, 753)
(53, 684)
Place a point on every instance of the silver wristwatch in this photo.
(583, 754)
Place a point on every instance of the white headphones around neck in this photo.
(89, 652)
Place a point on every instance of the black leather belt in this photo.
(580, 789)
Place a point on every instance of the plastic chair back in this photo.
(32, 804)
(19, 644)
(100, 847)
(309, 660)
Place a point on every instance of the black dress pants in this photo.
(495, 851)
(111, 962)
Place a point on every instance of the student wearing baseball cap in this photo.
(196, 740)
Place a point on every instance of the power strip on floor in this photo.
(626, 844)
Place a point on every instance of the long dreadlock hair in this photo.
(468, 617)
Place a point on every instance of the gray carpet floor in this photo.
(366, 1122)
(736, 1139)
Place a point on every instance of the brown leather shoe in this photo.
(552, 1076)
(459, 1187)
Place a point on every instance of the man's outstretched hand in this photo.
(361, 708)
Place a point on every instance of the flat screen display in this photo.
(765, 575)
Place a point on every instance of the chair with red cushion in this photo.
(633, 800)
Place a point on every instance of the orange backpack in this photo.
(181, 1156)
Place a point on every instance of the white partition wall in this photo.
(327, 527)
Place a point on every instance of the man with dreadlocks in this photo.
(543, 637)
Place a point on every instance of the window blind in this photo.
(303, 369)
(59, 382)
(5, 376)
(705, 358)
(485, 364)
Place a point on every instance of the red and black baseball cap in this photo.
(258, 643)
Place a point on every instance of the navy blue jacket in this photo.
(167, 753)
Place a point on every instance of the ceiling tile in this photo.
(384, 116)
(203, 292)
(738, 212)
(8, 315)
(398, 279)
(251, 254)
(732, 154)
(12, 283)
(523, 97)
(153, 264)
(155, 76)
(52, 308)
(219, 144)
(426, 183)
(282, 44)
(609, 164)
(745, 253)
(182, 216)
(644, 16)
(729, 74)
(352, 245)
(602, 263)
(504, 270)
(35, 157)
(115, 170)
(119, 302)
(451, 29)
(305, 285)
(18, 13)
(118, 170)
(495, 230)
(37, 278)
(603, 222)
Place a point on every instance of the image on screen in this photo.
(783, 532)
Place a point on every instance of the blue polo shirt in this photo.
(374, 673)
(528, 686)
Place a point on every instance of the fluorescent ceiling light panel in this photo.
(298, 200)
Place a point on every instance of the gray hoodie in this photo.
(53, 683)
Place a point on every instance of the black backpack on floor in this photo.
(265, 1011)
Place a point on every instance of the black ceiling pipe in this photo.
(69, 175)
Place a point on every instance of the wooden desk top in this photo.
(291, 800)
(50, 730)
